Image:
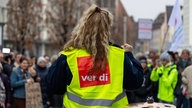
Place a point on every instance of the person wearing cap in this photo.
(145, 90)
(173, 59)
(166, 74)
(178, 90)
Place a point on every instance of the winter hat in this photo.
(40, 59)
(142, 59)
(165, 55)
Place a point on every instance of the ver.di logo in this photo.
(86, 80)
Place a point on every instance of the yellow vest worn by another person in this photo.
(87, 91)
(167, 81)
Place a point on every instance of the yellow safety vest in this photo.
(88, 92)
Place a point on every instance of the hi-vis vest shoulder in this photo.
(87, 91)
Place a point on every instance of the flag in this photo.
(175, 21)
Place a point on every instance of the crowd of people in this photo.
(15, 71)
(167, 78)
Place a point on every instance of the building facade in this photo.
(3, 19)
(187, 23)
(124, 27)
(159, 33)
(123, 31)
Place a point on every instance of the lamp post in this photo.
(78, 9)
(124, 29)
(3, 12)
(1, 34)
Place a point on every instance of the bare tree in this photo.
(23, 23)
(62, 16)
(26, 21)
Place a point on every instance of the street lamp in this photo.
(1, 34)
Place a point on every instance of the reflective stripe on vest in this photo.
(94, 102)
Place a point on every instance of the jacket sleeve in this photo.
(154, 75)
(133, 72)
(58, 77)
(14, 82)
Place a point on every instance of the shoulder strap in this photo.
(171, 70)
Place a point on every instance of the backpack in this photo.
(177, 89)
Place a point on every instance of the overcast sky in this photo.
(147, 8)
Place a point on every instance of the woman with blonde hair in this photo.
(91, 71)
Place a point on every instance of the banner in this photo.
(175, 21)
(33, 96)
(145, 29)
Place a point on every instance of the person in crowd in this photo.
(187, 80)
(173, 58)
(17, 60)
(145, 91)
(12, 53)
(2, 92)
(177, 57)
(32, 71)
(33, 61)
(93, 71)
(42, 70)
(6, 83)
(183, 62)
(155, 83)
(18, 78)
(7, 67)
(153, 56)
(167, 76)
(138, 55)
(56, 99)
(150, 63)
(47, 58)
(177, 89)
